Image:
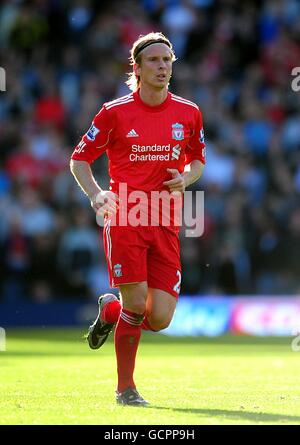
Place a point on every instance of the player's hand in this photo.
(105, 203)
(177, 184)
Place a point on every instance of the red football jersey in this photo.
(141, 141)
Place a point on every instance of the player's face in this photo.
(155, 68)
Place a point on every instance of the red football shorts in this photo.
(136, 254)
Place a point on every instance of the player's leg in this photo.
(125, 251)
(126, 254)
(127, 337)
(160, 309)
(164, 278)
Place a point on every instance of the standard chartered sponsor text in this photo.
(146, 148)
(148, 157)
(145, 152)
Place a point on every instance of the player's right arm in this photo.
(92, 145)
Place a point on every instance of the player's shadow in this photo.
(235, 415)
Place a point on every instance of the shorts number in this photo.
(176, 288)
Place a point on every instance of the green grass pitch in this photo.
(52, 377)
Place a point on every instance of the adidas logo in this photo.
(132, 134)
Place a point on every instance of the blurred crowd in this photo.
(63, 59)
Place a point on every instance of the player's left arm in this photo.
(194, 162)
(192, 172)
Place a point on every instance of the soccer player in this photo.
(154, 142)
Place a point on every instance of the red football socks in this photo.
(127, 337)
(111, 312)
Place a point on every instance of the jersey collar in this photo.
(146, 107)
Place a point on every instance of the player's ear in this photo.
(137, 69)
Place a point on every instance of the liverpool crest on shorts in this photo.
(117, 270)
(177, 132)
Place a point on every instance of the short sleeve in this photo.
(96, 140)
(195, 149)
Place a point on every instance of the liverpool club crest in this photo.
(117, 270)
(177, 132)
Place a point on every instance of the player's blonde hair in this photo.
(138, 46)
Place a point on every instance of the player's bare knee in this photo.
(159, 324)
(135, 304)
(138, 307)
